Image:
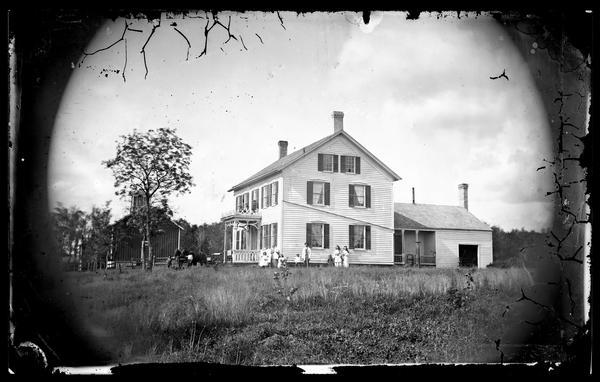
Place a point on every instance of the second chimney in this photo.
(282, 148)
(338, 121)
(463, 195)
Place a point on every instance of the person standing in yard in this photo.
(297, 260)
(274, 257)
(337, 258)
(306, 254)
(345, 257)
(280, 259)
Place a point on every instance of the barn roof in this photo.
(287, 160)
(433, 216)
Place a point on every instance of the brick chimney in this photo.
(463, 195)
(282, 148)
(338, 121)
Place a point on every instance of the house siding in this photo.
(296, 211)
(272, 214)
(447, 242)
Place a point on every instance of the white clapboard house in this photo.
(331, 192)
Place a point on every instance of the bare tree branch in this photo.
(187, 56)
(261, 41)
(143, 51)
(280, 20)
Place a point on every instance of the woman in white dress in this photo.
(263, 259)
(337, 257)
(345, 258)
(280, 259)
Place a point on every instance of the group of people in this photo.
(339, 257)
(273, 258)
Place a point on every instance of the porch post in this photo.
(224, 240)
(417, 248)
(402, 247)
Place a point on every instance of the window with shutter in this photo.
(266, 236)
(315, 233)
(358, 234)
(368, 196)
(266, 196)
(327, 162)
(274, 235)
(309, 191)
(327, 192)
(357, 165)
(254, 203)
(325, 236)
(318, 193)
(274, 192)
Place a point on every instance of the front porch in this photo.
(241, 236)
(414, 247)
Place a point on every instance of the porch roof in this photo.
(433, 216)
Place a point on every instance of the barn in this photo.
(440, 235)
(127, 243)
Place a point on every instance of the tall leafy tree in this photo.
(99, 235)
(154, 164)
(70, 227)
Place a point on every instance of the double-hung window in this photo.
(350, 164)
(327, 162)
(317, 193)
(359, 195)
(360, 236)
(317, 235)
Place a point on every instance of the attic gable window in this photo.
(327, 163)
(350, 164)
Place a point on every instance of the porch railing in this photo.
(411, 259)
(245, 255)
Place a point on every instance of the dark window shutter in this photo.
(309, 191)
(342, 163)
(335, 163)
(262, 228)
(351, 195)
(368, 237)
(274, 234)
(351, 236)
(320, 162)
(327, 194)
(325, 235)
(269, 201)
(308, 241)
(357, 165)
(276, 192)
(368, 196)
(261, 196)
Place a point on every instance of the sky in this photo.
(416, 93)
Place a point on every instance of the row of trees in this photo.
(83, 236)
(515, 247)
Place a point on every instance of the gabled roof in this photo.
(432, 216)
(124, 219)
(287, 160)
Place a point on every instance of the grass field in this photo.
(243, 315)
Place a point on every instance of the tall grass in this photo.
(168, 311)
